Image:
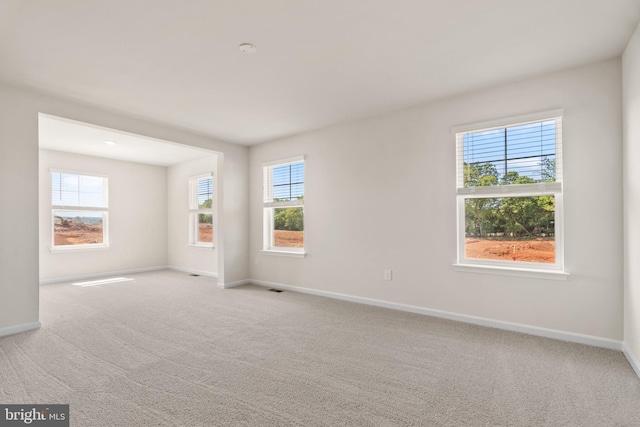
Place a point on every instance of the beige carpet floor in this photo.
(175, 350)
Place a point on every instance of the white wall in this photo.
(19, 256)
(180, 254)
(380, 194)
(137, 217)
(18, 211)
(631, 126)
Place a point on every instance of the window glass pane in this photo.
(297, 173)
(297, 191)
(205, 228)
(282, 193)
(205, 193)
(529, 149)
(288, 182)
(484, 146)
(521, 154)
(288, 228)
(77, 190)
(91, 190)
(69, 188)
(510, 228)
(55, 188)
(77, 228)
(482, 174)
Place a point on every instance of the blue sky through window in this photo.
(77, 190)
(205, 190)
(520, 148)
(288, 182)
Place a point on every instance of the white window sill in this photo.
(517, 272)
(77, 248)
(284, 253)
(195, 245)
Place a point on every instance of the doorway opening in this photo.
(113, 202)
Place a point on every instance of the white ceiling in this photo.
(319, 62)
(56, 133)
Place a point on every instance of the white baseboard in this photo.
(234, 284)
(192, 271)
(481, 321)
(17, 329)
(633, 361)
(98, 275)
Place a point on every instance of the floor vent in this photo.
(195, 275)
(275, 290)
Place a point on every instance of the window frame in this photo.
(269, 206)
(55, 208)
(195, 211)
(554, 189)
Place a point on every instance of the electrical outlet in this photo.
(387, 275)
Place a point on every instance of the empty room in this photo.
(319, 213)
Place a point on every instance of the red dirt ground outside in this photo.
(205, 233)
(536, 250)
(77, 234)
(288, 239)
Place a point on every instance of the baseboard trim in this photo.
(192, 271)
(481, 321)
(234, 284)
(17, 329)
(98, 275)
(633, 361)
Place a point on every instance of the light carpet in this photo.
(173, 350)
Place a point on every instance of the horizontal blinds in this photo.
(283, 184)
(201, 193)
(75, 191)
(521, 190)
(284, 204)
(522, 154)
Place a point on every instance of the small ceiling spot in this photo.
(110, 142)
(247, 48)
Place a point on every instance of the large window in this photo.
(283, 185)
(201, 210)
(79, 210)
(509, 191)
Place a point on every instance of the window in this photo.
(201, 210)
(79, 210)
(509, 192)
(283, 186)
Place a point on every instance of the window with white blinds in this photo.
(283, 205)
(509, 191)
(201, 230)
(79, 210)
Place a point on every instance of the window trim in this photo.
(513, 272)
(509, 121)
(194, 212)
(56, 208)
(269, 207)
(517, 268)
